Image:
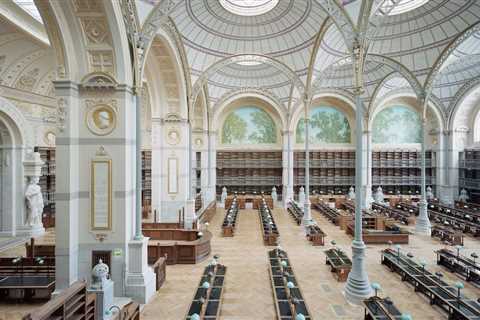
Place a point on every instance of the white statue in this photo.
(224, 195)
(351, 193)
(379, 198)
(429, 193)
(34, 198)
(301, 196)
(274, 194)
(463, 197)
(99, 274)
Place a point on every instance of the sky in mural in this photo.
(327, 125)
(249, 125)
(397, 124)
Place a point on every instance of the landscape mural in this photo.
(327, 125)
(249, 125)
(397, 124)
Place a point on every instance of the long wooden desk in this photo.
(340, 263)
(459, 264)
(447, 234)
(269, 228)
(377, 308)
(230, 220)
(289, 301)
(207, 301)
(439, 292)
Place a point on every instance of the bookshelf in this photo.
(399, 170)
(469, 173)
(146, 179)
(249, 171)
(333, 171)
(330, 170)
(47, 184)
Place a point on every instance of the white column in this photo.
(157, 178)
(287, 161)
(358, 287)
(67, 185)
(307, 215)
(367, 169)
(204, 169)
(456, 144)
(422, 224)
(212, 165)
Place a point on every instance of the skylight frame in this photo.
(248, 8)
(396, 7)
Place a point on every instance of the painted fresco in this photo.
(249, 125)
(397, 125)
(327, 125)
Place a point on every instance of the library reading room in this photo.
(239, 159)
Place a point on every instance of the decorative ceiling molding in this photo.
(457, 42)
(242, 91)
(464, 91)
(203, 79)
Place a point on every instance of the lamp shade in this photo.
(405, 316)
(284, 263)
(459, 285)
(205, 285)
(300, 316)
(290, 285)
(195, 316)
(376, 286)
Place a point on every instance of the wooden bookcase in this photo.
(249, 171)
(47, 184)
(73, 303)
(330, 170)
(146, 180)
(469, 173)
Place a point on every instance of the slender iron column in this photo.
(307, 216)
(138, 165)
(358, 287)
(422, 225)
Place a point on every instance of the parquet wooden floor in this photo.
(248, 293)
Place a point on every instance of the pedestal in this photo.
(140, 278)
(287, 196)
(104, 298)
(358, 287)
(423, 225)
(190, 215)
(301, 198)
(30, 231)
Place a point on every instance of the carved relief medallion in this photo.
(173, 136)
(101, 118)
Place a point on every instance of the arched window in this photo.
(397, 124)
(327, 125)
(249, 125)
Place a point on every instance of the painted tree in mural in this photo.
(397, 124)
(249, 125)
(327, 125)
(265, 128)
(234, 129)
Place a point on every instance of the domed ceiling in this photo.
(286, 32)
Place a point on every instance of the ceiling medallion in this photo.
(248, 7)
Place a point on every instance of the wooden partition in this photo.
(73, 303)
(180, 252)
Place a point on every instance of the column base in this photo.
(30, 231)
(307, 215)
(358, 286)
(422, 224)
(140, 282)
(190, 214)
(287, 196)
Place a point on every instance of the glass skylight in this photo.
(30, 8)
(248, 7)
(394, 7)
